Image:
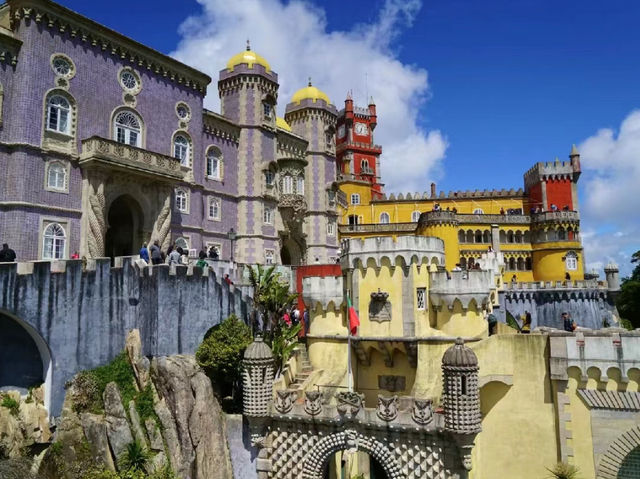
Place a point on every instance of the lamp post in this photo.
(232, 237)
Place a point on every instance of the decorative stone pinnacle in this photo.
(574, 151)
(248, 45)
(309, 81)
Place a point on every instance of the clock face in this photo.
(361, 129)
(341, 131)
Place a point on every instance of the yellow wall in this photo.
(366, 377)
(548, 262)
(449, 234)
(457, 322)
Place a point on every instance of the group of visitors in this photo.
(7, 255)
(437, 207)
(568, 324)
(291, 317)
(174, 255)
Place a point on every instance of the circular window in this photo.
(183, 111)
(62, 66)
(129, 80)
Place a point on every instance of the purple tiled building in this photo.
(109, 147)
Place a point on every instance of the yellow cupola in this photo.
(282, 123)
(248, 57)
(309, 93)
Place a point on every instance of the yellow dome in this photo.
(309, 93)
(282, 123)
(250, 58)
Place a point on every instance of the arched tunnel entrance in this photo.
(346, 464)
(25, 360)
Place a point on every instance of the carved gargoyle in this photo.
(284, 400)
(313, 403)
(387, 407)
(349, 403)
(422, 411)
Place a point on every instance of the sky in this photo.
(470, 94)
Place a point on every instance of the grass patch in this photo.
(119, 371)
(11, 404)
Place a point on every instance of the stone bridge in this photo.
(60, 317)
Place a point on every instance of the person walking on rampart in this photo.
(144, 253)
(568, 323)
(7, 255)
(156, 255)
(202, 260)
(175, 257)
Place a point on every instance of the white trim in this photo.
(187, 202)
(45, 222)
(210, 201)
(356, 197)
(65, 166)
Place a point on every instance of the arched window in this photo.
(527, 264)
(54, 240)
(384, 218)
(463, 262)
(56, 176)
(214, 209)
(181, 149)
(510, 237)
(182, 203)
(503, 237)
(415, 216)
(518, 237)
(520, 264)
(300, 185)
(214, 164)
(127, 128)
(571, 261)
(512, 264)
(486, 236)
(269, 177)
(58, 114)
(478, 211)
(461, 237)
(469, 236)
(526, 237)
(355, 199)
(364, 165)
(287, 185)
(561, 234)
(182, 243)
(478, 236)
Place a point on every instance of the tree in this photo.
(220, 353)
(271, 296)
(628, 299)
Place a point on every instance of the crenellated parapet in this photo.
(327, 291)
(467, 287)
(291, 146)
(503, 193)
(358, 252)
(431, 218)
(219, 126)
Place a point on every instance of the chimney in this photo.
(433, 190)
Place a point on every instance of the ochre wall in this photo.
(548, 262)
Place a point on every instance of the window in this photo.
(301, 185)
(181, 149)
(421, 298)
(364, 165)
(58, 114)
(331, 228)
(62, 66)
(269, 256)
(355, 199)
(182, 243)
(384, 218)
(478, 211)
(266, 109)
(181, 201)
(127, 129)
(287, 185)
(129, 80)
(214, 209)
(571, 261)
(463, 385)
(268, 215)
(56, 176)
(353, 219)
(54, 242)
(415, 216)
(183, 111)
(269, 177)
(214, 164)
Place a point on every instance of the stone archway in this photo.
(291, 253)
(618, 452)
(125, 223)
(350, 439)
(25, 358)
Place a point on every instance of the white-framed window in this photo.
(415, 216)
(214, 209)
(129, 80)
(269, 256)
(183, 243)
(478, 211)
(268, 215)
(300, 190)
(287, 185)
(54, 241)
(183, 111)
(127, 128)
(181, 149)
(214, 163)
(355, 199)
(571, 261)
(331, 228)
(384, 218)
(364, 164)
(269, 177)
(62, 66)
(421, 298)
(58, 114)
(182, 200)
(216, 246)
(56, 176)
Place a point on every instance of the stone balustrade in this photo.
(555, 285)
(556, 217)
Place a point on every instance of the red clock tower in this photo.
(358, 158)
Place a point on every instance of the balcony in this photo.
(366, 170)
(357, 145)
(97, 151)
(378, 228)
(556, 217)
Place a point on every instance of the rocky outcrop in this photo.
(25, 427)
(118, 430)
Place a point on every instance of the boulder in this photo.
(155, 438)
(135, 424)
(139, 363)
(95, 430)
(118, 430)
(170, 435)
(11, 437)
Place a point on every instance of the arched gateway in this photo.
(404, 435)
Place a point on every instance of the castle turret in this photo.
(373, 116)
(257, 379)
(612, 276)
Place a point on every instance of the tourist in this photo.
(175, 256)
(490, 249)
(75, 255)
(213, 253)
(7, 255)
(457, 268)
(305, 318)
(286, 318)
(455, 210)
(156, 255)
(227, 279)
(514, 280)
(567, 323)
(144, 253)
(554, 207)
(526, 323)
(502, 211)
(295, 315)
(567, 276)
(202, 261)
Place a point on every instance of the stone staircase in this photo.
(304, 373)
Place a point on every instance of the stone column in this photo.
(94, 225)
(162, 225)
(495, 238)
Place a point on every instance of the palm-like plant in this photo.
(260, 280)
(135, 457)
(562, 470)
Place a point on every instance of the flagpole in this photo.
(349, 373)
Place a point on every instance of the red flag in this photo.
(354, 321)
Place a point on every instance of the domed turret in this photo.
(249, 58)
(257, 378)
(309, 93)
(461, 398)
(459, 355)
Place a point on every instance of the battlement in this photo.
(556, 286)
(463, 286)
(358, 252)
(327, 291)
(453, 195)
(552, 170)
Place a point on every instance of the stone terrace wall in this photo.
(84, 316)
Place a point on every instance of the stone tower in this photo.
(248, 90)
(313, 117)
(257, 379)
(612, 276)
(461, 397)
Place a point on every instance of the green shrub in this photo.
(283, 341)
(562, 470)
(135, 458)
(11, 404)
(119, 371)
(220, 353)
(144, 404)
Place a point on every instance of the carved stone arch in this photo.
(329, 445)
(612, 460)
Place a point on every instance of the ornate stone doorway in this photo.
(291, 253)
(125, 222)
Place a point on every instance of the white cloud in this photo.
(294, 38)
(610, 193)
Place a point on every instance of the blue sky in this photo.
(489, 88)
